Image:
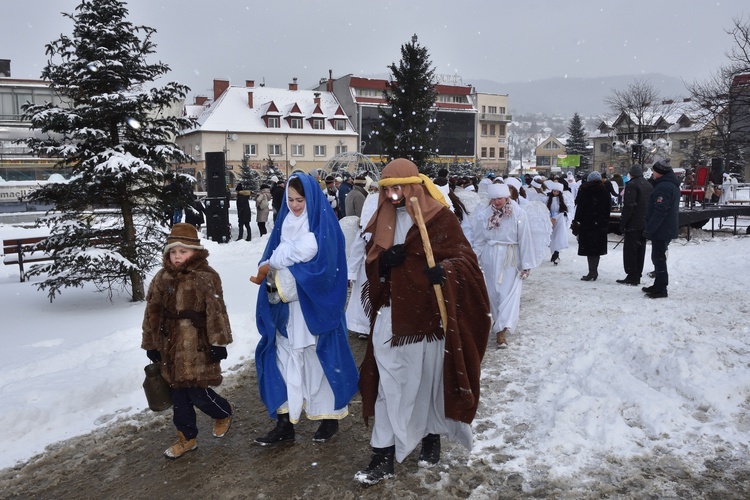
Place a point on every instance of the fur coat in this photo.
(185, 315)
(593, 205)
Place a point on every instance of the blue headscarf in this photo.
(322, 288)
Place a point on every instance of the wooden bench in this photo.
(26, 250)
(22, 250)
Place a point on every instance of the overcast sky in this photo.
(505, 41)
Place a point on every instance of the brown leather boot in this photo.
(182, 446)
(221, 425)
(501, 342)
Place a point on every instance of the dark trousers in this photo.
(659, 259)
(244, 225)
(206, 400)
(633, 255)
(262, 228)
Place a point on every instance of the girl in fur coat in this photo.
(186, 330)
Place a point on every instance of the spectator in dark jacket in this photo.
(347, 183)
(662, 224)
(592, 215)
(277, 195)
(356, 197)
(244, 214)
(632, 224)
(195, 212)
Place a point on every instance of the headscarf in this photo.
(404, 173)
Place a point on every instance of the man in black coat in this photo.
(662, 224)
(277, 195)
(632, 224)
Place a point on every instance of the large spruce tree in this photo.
(577, 143)
(407, 127)
(110, 133)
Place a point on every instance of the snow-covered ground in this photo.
(597, 371)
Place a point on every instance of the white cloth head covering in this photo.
(498, 191)
(515, 182)
(556, 186)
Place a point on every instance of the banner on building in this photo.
(568, 160)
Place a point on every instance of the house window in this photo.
(501, 153)
(603, 147)
(492, 129)
(492, 153)
(295, 123)
(484, 129)
(341, 149)
(320, 150)
(298, 150)
(318, 124)
(273, 122)
(544, 161)
(274, 150)
(501, 130)
(684, 144)
(339, 124)
(502, 110)
(483, 154)
(251, 149)
(484, 109)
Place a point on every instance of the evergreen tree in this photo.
(408, 128)
(577, 143)
(108, 130)
(249, 178)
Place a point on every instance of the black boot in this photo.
(283, 432)
(327, 428)
(555, 257)
(381, 467)
(429, 455)
(593, 261)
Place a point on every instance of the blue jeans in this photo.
(659, 259)
(185, 400)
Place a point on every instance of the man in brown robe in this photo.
(419, 378)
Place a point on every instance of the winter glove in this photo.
(392, 257)
(154, 355)
(525, 273)
(218, 352)
(435, 275)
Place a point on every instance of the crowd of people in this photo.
(423, 250)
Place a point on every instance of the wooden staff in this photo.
(430, 259)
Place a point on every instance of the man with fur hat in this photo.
(632, 224)
(662, 224)
(186, 330)
(356, 197)
(419, 377)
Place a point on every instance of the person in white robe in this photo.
(558, 212)
(504, 246)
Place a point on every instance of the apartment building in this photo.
(296, 129)
(492, 130)
(455, 111)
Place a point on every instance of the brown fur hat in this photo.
(184, 235)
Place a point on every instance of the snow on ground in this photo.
(596, 372)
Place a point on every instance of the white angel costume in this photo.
(504, 250)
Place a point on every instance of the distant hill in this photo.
(565, 96)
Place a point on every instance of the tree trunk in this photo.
(130, 250)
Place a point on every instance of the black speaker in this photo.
(717, 171)
(217, 219)
(216, 183)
